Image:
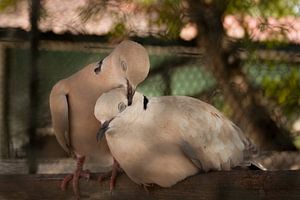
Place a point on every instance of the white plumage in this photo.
(163, 140)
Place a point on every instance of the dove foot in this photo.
(112, 174)
(147, 186)
(79, 173)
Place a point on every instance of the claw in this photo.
(103, 176)
(65, 182)
(75, 177)
(112, 174)
(146, 189)
(146, 186)
(87, 174)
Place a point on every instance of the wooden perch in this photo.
(236, 184)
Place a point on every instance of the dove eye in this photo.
(123, 65)
(121, 106)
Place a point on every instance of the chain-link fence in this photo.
(171, 74)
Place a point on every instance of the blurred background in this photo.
(241, 56)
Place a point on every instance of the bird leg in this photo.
(112, 174)
(78, 173)
(146, 186)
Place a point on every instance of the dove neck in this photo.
(137, 98)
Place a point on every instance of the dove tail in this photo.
(251, 152)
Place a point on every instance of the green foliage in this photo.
(278, 8)
(168, 16)
(284, 89)
(280, 83)
(119, 30)
(238, 6)
(263, 11)
(265, 8)
(7, 3)
(171, 17)
(146, 2)
(165, 15)
(297, 142)
(91, 9)
(219, 102)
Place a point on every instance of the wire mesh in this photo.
(169, 75)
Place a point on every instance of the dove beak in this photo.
(104, 127)
(130, 93)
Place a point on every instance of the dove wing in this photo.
(59, 113)
(209, 139)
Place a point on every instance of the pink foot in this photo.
(112, 174)
(79, 173)
(146, 186)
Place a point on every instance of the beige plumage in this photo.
(72, 100)
(163, 140)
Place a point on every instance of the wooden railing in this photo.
(235, 184)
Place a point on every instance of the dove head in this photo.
(130, 62)
(133, 59)
(110, 104)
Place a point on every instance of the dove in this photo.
(163, 140)
(72, 102)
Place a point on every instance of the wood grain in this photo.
(236, 184)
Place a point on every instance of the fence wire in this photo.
(171, 74)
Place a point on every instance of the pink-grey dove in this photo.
(72, 102)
